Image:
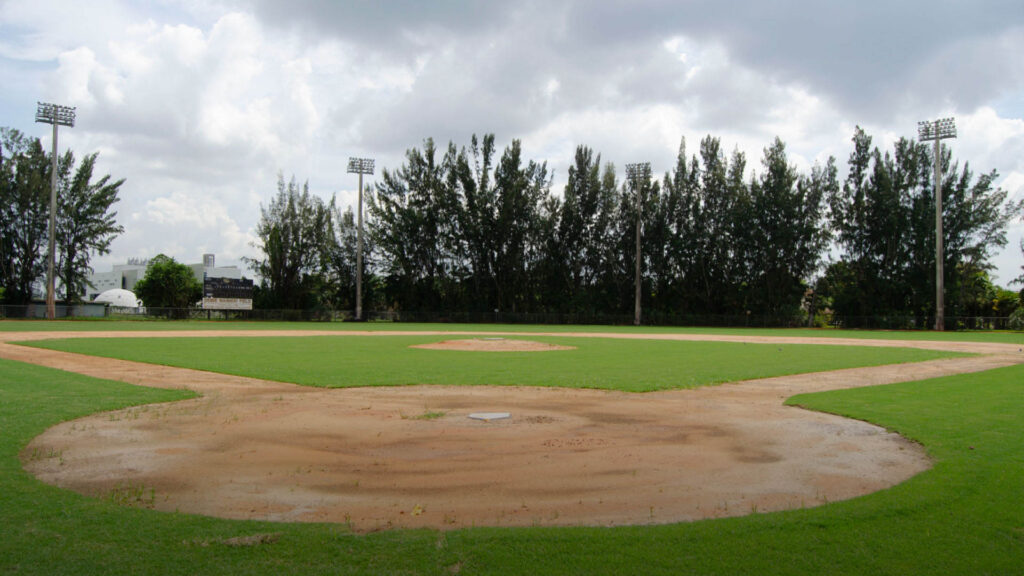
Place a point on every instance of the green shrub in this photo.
(1016, 321)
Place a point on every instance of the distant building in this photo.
(208, 269)
(119, 298)
(125, 276)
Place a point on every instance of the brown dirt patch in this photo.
(492, 345)
(364, 456)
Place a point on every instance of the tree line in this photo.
(307, 253)
(884, 220)
(85, 223)
(473, 230)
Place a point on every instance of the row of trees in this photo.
(308, 253)
(884, 221)
(85, 223)
(467, 229)
(455, 233)
(471, 230)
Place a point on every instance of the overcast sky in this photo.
(200, 104)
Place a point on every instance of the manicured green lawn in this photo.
(965, 516)
(101, 325)
(630, 365)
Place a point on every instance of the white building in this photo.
(208, 269)
(125, 276)
(119, 298)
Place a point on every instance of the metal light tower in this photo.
(57, 116)
(937, 131)
(360, 166)
(635, 172)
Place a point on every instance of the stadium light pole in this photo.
(634, 172)
(56, 115)
(936, 132)
(360, 166)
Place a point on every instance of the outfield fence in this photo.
(38, 310)
(751, 320)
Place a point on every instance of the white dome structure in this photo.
(118, 297)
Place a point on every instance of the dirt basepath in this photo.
(408, 457)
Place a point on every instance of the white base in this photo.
(488, 416)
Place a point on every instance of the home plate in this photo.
(488, 416)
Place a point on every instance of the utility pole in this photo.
(634, 172)
(58, 116)
(360, 166)
(936, 132)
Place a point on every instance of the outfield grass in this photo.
(965, 516)
(102, 325)
(630, 365)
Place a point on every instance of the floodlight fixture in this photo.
(360, 166)
(635, 172)
(57, 115)
(936, 131)
(47, 113)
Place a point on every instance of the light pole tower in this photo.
(360, 166)
(58, 116)
(635, 172)
(936, 132)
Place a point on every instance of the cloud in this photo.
(868, 58)
(874, 61)
(201, 104)
(204, 219)
(211, 101)
(387, 27)
(41, 29)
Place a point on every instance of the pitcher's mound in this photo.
(493, 345)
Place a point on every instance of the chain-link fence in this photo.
(751, 320)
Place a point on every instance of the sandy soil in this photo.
(377, 458)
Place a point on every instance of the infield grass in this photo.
(965, 516)
(615, 364)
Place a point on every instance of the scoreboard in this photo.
(227, 293)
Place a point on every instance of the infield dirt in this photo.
(378, 458)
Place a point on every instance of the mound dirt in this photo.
(492, 345)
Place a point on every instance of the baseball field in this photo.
(194, 448)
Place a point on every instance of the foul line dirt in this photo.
(378, 458)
